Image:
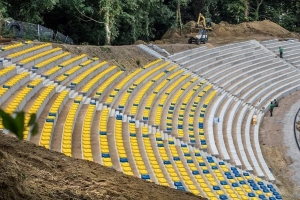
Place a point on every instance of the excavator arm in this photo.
(202, 21)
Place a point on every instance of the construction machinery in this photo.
(204, 22)
(198, 39)
(205, 25)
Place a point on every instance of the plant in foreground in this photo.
(16, 124)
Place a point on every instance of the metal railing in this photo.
(296, 132)
(29, 31)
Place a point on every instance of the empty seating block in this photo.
(157, 170)
(104, 148)
(128, 80)
(182, 112)
(174, 102)
(86, 132)
(8, 47)
(14, 83)
(94, 82)
(51, 119)
(105, 84)
(66, 146)
(130, 90)
(82, 78)
(75, 71)
(165, 96)
(7, 73)
(157, 89)
(29, 62)
(38, 105)
(22, 97)
(42, 66)
(125, 166)
(202, 115)
(64, 66)
(16, 104)
(28, 52)
(63, 77)
(136, 152)
(177, 183)
(145, 89)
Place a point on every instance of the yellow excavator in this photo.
(204, 22)
(205, 25)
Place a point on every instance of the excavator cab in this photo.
(204, 22)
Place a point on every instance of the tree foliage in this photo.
(120, 22)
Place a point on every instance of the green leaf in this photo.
(20, 124)
(32, 119)
(34, 129)
(9, 123)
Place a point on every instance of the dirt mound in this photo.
(266, 28)
(171, 34)
(28, 171)
(225, 30)
(140, 42)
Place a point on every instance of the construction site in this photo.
(174, 118)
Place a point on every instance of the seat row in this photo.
(177, 166)
(19, 46)
(28, 52)
(167, 115)
(243, 78)
(290, 50)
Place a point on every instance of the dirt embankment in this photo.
(224, 33)
(28, 171)
(129, 57)
(263, 28)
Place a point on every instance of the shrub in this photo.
(16, 125)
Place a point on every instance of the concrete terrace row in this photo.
(156, 123)
(247, 74)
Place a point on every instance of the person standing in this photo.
(280, 52)
(271, 108)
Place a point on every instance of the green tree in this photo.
(109, 10)
(29, 10)
(235, 10)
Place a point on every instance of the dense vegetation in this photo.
(125, 21)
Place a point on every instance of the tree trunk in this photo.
(180, 21)
(107, 28)
(178, 16)
(1, 17)
(147, 33)
(147, 29)
(247, 10)
(256, 13)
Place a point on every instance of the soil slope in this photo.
(129, 57)
(28, 171)
(224, 33)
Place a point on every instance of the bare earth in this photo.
(279, 147)
(28, 171)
